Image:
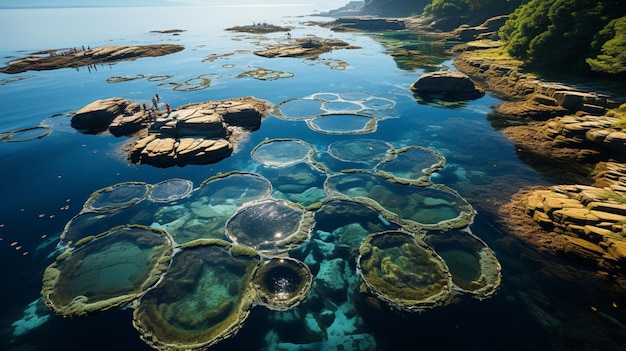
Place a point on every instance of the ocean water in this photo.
(543, 303)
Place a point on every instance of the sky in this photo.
(114, 3)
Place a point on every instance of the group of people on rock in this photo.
(153, 111)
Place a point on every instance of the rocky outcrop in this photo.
(259, 28)
(529, 97)
(198, 133)
(451, 85)
(356, 23)
(585, 223)
(166, 152)
(310, 47)
(98, 115)
(75, 58)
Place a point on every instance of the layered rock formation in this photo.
(75, 58)
(556, 121)
(198, 133)
(584, 223)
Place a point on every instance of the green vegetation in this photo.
(620, 114)
(569, 36)
(611, 195)
(442, 8)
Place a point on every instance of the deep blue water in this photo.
(543, 303)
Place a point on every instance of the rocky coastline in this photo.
(564, 123)
(553, 121)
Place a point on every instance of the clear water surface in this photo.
(542, 304)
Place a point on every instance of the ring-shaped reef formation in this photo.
(343, 123)
(355, 109)
(270, 225)
(90, 223)
(411, 165)
(302, 183)
(193, 84)
(204, 298)
(299, 109)
(206, 210)
(56, 119)
(107, 270)
(431, 207)
(474, 267)
(116, 196)
(25, 134)
(264, 74)
(119, 79)
(14, 79)
(170, 190)
(282, 283)
(403, 271)
(367, 151)
(282, 152)
(346, 223)
(158, 78)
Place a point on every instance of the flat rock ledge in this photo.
(309, 47)
(583, 223)
(198, 133)
(532, 98)
(553, 120)
(448, 85)
(76, 58)
(364, 23)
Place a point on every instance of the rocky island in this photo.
(309, 47)
(259, 28)
(197, 133)
(84, 57)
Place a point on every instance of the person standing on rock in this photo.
(167, 108)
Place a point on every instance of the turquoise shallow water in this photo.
(543, 303)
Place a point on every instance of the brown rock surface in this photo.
(74, 58)
(452, 84)
(585, 223)
(309, 47)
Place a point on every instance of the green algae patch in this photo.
(204, 298)
(474, 267)
(106, 272)
(403, 272)
(117, 196)
(434, 207)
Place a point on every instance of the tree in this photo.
(612, 40)
(558, 35)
